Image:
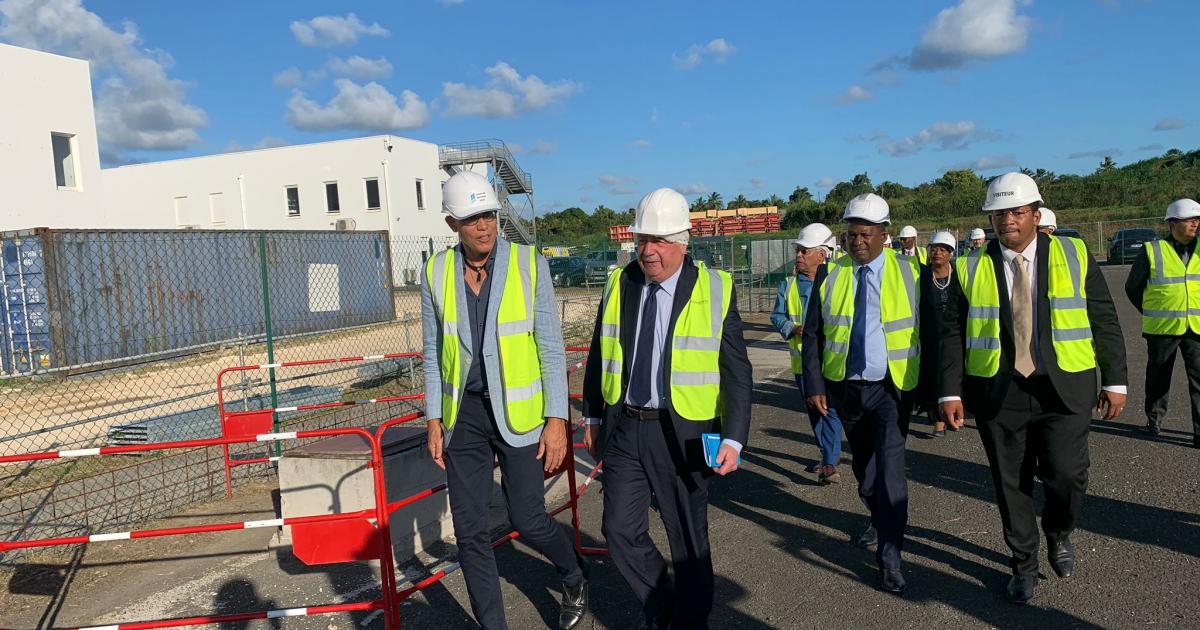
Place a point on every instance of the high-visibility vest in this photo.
(520, 378)
(923, 255)
(695, 372)
(1171, 301)
(795, 307)
(1070, 329)
(898, 295)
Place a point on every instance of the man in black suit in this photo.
(667, 365)
(1026, 325)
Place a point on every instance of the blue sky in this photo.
(607, 100)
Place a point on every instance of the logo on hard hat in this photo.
(1003, 193)
(478, 197)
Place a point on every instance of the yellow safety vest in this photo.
(695, 376)
(899, 295)
(923, 255)
(1071, 331)
(1171, 301)
(520, 368)
(795, 307)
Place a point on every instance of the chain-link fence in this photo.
(117, 337)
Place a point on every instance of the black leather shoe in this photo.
(652, 624)
(1196, 441)
(574, 605)
(868, 538)
(1020, 588)
(893, 581)
(1062, 557)
(1151, 428)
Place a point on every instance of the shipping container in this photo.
(75, 300)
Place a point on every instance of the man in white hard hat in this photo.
(495, 388)
(1048, 223)
(975, 239)
(935, 293)
(667, 386)
(1164, 285)
(909, 247)
(813, 247)
(1026, 326)
(862, 358)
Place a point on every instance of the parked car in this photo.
(599, 264)
(1127, 244)
(568, 271)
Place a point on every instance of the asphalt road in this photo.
(780, 542)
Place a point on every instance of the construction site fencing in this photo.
(342, 531)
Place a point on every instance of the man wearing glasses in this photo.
(495, 388)
(1165, 286)
(1026, 326)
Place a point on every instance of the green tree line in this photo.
(1139, 189)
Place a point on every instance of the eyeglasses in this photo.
(1191, 220)
(486, 217)
(1016, 213)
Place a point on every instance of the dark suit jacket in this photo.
(1078, 390)
(736, 377)
(931, 341)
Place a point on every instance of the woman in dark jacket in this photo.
(935, 285)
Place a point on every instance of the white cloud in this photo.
(507, 93)
(1170, 123)
(986, 163)
(825, 182)
(971, 30)
(718, 49)
(585, 199)
(613, 180)
(268, 142)
(137, 105)
(360, 68)
(288, 78)
(1151, 147)
(694, 188)
(654, 116)
(369, 107)
(1098, 153)
(640, 144)
(330, 30)
(758, 183)
(542, 147)
(515, 148)
(855, 94)
(948, 136)
(622, 190)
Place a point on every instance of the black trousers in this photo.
(638, 466)
(875, 417)
(1160, 367)
(474, 446)
(1034, 433)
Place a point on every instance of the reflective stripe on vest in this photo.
(520, 366)
(1171, 300)
(695, 375)
(1070, 328)
(899, 295)
(795, 309)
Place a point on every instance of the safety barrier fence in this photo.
(377, 518)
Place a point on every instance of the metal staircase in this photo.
(507, 177)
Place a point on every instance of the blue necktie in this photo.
(856, 360)
(639, 380)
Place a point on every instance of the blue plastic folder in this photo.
(712, 445)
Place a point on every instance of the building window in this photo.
(216, 208)
(420, 196)
(332, 204)
(372, 194)
(65, 165)
(293, 201)
(181, 212)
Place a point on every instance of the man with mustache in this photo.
(1026, 325)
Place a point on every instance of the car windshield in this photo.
(1139, 233)
(559, 264)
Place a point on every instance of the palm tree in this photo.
(740, 202)
(715, 201)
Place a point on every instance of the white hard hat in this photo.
(1011, 190)
(944, 239)
(908, 231)
(1048, 219)
(868, 207)
(468, 193)
(976, 233)
(1182, 209)
(815, 235)
(661, 213)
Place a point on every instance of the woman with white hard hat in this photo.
(1048, 223)
(935, 293)
(813, 246)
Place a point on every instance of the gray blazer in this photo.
(547, 331)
